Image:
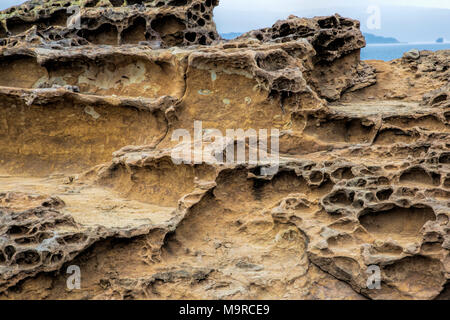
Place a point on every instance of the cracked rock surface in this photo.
(87, 176)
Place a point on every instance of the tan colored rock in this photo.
(88, 176)
(336, 42)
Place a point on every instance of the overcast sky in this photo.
(281, 5)
(407, 20)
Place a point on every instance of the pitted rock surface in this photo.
(103, 22)
(88, 177)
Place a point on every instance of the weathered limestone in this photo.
(87, 177)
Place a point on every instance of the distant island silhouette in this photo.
(373, 39)
(440, 40)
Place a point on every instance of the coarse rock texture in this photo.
(88, 175)
(161, 23)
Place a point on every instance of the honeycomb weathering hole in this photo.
(385, 194)
(105, 34)
(401, 223)
(136, 32)
(170, 29)
(419, 175)
(444, 158)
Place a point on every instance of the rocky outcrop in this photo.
(162, 23)
(439, 97)
(39, 235)
(89, 177)
(332, 37)
(413, 78)
(336, 42)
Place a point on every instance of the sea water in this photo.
(389, 52)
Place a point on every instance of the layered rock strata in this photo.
(88, 176)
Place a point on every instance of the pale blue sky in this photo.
(281, 5)
(8, 3)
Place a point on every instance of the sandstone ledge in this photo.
(87, 176)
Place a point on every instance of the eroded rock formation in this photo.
(88, 176)
(157, 23)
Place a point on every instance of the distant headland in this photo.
(373, 39)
